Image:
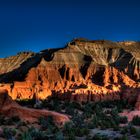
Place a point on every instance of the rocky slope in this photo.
(10, 108)
(13, 62)
(83, 70)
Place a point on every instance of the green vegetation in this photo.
(123, 120)
(99, 137)
(84, 117)
(138, 133)
(8, 133)
(136, 120)
(26, 102)
(26, 136)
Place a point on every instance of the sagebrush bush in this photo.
(136, 120)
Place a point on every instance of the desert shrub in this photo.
(2, 119)
(115, 115)
(59, 136)
(117, 138)
(105, 121)
(14, 119)
(77, 105)
(120, 104)
(132, 130)
(85, 131)
(48, 126)
(91, 125)
(71, 136)
(123, 119)
(88, 137)
(9, 121)
(21, 123)
(26, 136)
(87, 114)
(88, 110)
(70, 110)
(52, 104)
(71, 128)
(50, 120)
(124, 130)
(114, 112)
(94, 122)
(68, 131)
(107, 104)
(36, 134)
(99, 137)
(116, 128)
(9, 133)
(97, 108)
(42, 121)
(26, 102)
(136, 120)
(46, 104)
(68, 128)
(124, 137)
(55, 104)
(71, 107)
(138, 134)
(47, 122)
(80, 132)
(78, 120)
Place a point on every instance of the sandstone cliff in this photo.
(83, 70)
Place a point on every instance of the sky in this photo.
(34, 25)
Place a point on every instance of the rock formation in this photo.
(83, 71)
(10, 108)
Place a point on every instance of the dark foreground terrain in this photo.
(88, 121)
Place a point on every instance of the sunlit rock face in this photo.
(83, 71)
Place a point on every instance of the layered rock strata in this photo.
(83, 71)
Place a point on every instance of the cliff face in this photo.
(89, 70)
(10, 63)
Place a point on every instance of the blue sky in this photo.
(39, 24)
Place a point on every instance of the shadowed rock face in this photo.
(90, 70)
